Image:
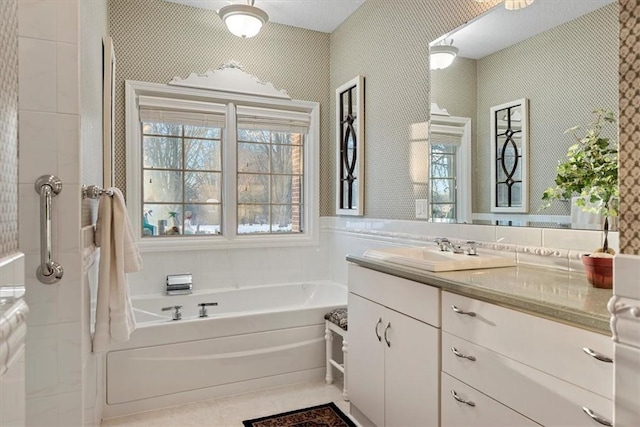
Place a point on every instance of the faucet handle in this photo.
(473, 248)
(176, 314)
(203, 308)
(442, 242)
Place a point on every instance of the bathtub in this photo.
(256, 337)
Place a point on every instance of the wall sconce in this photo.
(442, 55)
(243, 20)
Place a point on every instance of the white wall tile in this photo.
(519, 235)
(626, 276)
(42, 411)
(37, 73)
(42, 360)
(67, 212)
(68, 142)
(614, 241)
(12, 392)
(68, 70)
(478, 233)
(38, 19)
(584, 240)
(69, 367)
(67, 15)
(38, 145)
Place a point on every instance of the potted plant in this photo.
(591, 173)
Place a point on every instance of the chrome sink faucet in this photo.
(176, 311)
(446, 246)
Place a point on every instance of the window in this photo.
(220, 170)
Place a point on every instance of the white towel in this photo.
(119, 255)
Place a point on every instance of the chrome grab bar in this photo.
(49, 271)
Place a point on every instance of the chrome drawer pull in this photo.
(596, 355)
(385, 334)
(597, 418)
(457, 310)
(378, 324)
(461, 400)
(457, 353)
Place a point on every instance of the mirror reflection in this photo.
(562, 56)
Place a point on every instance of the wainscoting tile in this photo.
(519, 235)
(68, 76)
(586, 240)
(38, 75)
(38, 19)
(478, 233)
(42, 360)
(38, 146)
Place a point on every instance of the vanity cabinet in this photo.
(551, 373)
(393, 350)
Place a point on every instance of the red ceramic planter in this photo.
(599, 271)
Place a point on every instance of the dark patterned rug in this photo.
(327, 415)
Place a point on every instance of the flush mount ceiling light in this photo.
(243, 20)
(442, 55)
(512, 4)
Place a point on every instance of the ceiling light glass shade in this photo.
(441, 56)
(243, 20)
(516, 4)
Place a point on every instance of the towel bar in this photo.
(49, 271)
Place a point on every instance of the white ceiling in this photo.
(317, 15)
(500, 28)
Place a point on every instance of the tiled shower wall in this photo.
(8, 127)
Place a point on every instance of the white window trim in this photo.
(173, 94)
(459, 126)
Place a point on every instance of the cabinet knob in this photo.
(378, 324)
(461, 400)
(597, 418)
(457, 310)
(464, 356)
(599, 356)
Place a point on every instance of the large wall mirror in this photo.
(561, 56)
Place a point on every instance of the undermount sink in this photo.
(433, 259)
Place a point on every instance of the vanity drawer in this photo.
(485, 412)
(549, 346)
(414, 299)
(537, 395)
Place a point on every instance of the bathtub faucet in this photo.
(179, 284)
(203, 308)
(176, 314)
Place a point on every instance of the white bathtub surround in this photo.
(119, 255)
(232, 410)
(256, 337)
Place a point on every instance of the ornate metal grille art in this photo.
(350, 147)
(508, 156)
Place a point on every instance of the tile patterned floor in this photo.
(231, 411)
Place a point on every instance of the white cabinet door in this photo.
(411, 371)
(366, 358)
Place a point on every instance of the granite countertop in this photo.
(558, 295)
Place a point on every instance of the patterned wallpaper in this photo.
(156, 40)
(8, 127)
(629, 126)
(565, 79)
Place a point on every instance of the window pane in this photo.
(202, 187)
(159, 221)
(161, 129)
(253, 219)
(286, 159)
(443, 211)
(162, 186)
(286, 219)
(287, 138)
(162, 153)
(202, 154)
(253, 158)
(253, 188)
(442, 190)
(202, 132)
(251, 135)
(282, 189)
(202, 219)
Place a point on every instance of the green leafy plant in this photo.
(590, 171)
